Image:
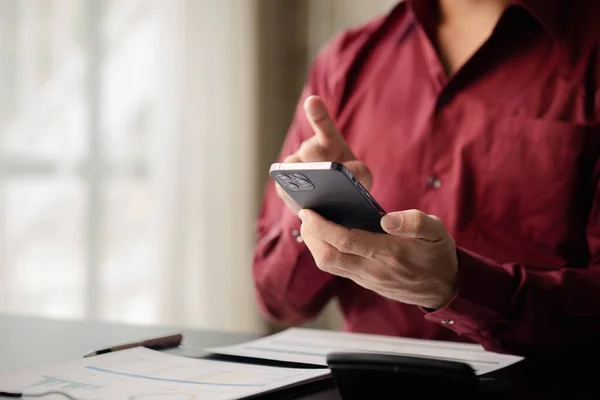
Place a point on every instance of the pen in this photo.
(160, 343)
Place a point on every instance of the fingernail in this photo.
(312, 107)
(309, 101)
(303, 215)
(391, 222)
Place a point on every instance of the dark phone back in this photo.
(332, 191)
(390, 376)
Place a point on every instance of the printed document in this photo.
(144, 374)
(311, 346)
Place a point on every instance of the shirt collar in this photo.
(550, 14)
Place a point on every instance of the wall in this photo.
(290, 34)
(328, 17)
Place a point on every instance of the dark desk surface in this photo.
(31, 341)
(27, 342)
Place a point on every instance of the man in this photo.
(474, 123)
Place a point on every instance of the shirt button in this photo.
(296, 234)
(434, 183)
(447, 321)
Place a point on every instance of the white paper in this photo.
(143, 374)
(311, 346)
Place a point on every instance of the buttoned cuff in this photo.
(479, 301)
(284, 246)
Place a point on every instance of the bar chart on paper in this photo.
(143, 374)
(47, 381)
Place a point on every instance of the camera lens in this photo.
(302, 182)
(283, 178)
(291, 186)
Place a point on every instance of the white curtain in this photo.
(211, 102)
(127, 161)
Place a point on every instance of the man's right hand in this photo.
(326, 145)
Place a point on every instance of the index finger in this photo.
(322, 124)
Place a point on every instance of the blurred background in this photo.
(135, 141)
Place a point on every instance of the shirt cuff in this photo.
(480, 298)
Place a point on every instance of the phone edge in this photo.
(332, 165)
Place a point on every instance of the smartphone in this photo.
(330, 189)
(391, 376)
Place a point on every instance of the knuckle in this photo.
(345, 244)
(351, 243)
(397, 254)
(326, 260)
(418, 221)
(380, 276)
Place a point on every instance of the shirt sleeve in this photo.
(515, 309)
(289, 287)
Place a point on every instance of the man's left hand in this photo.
(415, 264)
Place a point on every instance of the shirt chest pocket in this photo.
(533, 177)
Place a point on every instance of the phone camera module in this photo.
(301, 182)
(283, 178)
(294, 181)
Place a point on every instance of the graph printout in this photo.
(144, 374)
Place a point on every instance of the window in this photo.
(118, 121)
(78, 202)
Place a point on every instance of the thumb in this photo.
(415, 224)
(326, 133)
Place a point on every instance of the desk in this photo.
(27, 342)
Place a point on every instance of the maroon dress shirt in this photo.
(505, 152)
